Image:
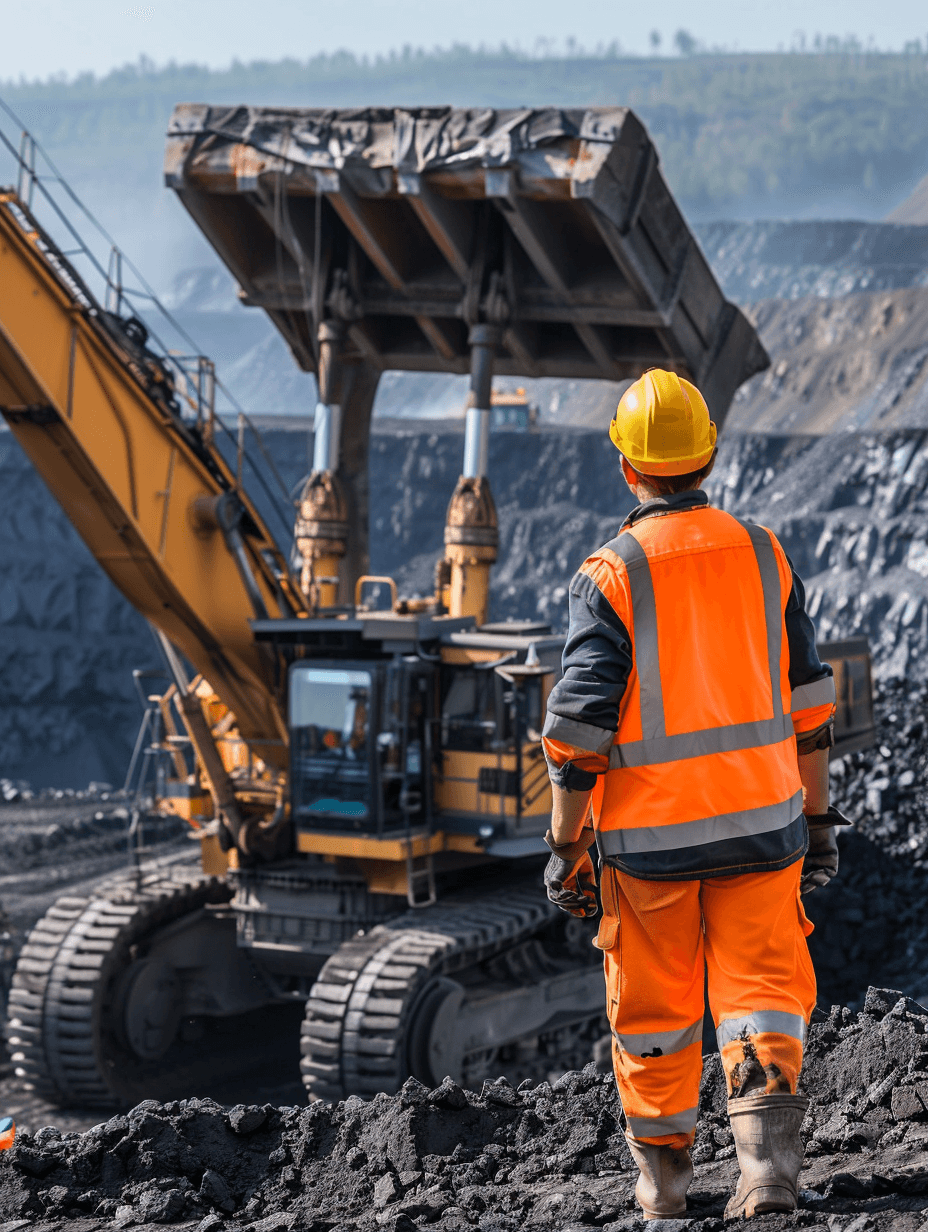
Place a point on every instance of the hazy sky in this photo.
(41, 37)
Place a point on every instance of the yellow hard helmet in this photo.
(662, 425)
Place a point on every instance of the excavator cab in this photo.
(361, 746)
(414, 728)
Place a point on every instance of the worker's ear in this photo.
(707, 469)
(629, 474)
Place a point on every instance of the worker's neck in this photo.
(644, 492)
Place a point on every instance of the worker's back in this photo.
(712, 652)
(703, 598)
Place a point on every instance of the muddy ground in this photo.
(543, 1157)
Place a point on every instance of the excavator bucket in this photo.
(405, 230)
(412, 224)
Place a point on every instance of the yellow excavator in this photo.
(363, 771)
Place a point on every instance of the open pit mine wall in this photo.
(850, 510)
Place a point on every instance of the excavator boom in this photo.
(146, 488)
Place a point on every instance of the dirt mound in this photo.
(534, 1157)
(51, 846)
(853, 363)
(914, 209)
(789, 259)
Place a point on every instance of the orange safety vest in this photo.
(703, 778)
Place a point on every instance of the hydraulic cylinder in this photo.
(321, 529)
(471, 533)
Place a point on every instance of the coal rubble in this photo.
(543, 1157)
(871, 923)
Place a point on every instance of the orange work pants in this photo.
(659, 939)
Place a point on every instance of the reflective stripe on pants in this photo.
(761, 987)
(761, 1022)
(660, 1043)
(680, 1123)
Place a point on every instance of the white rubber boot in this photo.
(666, 1173)
(766, 1132)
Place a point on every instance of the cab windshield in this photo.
(330, 711)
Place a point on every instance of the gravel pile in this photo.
(34, 843)
(791, 259)
(545, 1157)
(56, 842)
(850, 509)
(871, 923)
(21, 791)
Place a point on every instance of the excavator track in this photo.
(62, 1029)
(369, 1014)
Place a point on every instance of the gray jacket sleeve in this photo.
(805, 666)
(583, 708)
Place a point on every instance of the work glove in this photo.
(820, 864)
(570, 878)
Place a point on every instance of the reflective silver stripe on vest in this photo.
(731, 739)
(773, 606)
(584, 736)
(644, 633)
(818, 693)
(656, 748)
(657, 1127)
(659, 1043)
(726, 826)
(759, 1022)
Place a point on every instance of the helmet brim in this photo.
(670, 466)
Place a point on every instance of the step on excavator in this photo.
(363, 772)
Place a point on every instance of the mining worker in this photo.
(688, 737)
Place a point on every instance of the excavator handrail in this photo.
(145, 485)
(30, 180)
(108, 321)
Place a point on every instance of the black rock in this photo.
(161, 1206)
(245, 1120)
(215, 1190)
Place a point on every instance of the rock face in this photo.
(789, 259)
(69, 710)
(852, 364)
(537, 1158)
(67, 647)
(849, 509)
